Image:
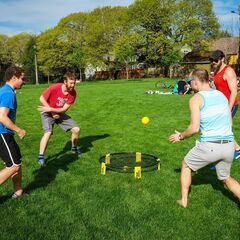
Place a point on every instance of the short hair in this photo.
(70, 75)
(13, 71)
(201, 74)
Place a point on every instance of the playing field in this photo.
(70, 199)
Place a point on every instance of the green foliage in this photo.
(52, 52)
(16, 44)
(124, 50)
(12, 48)
(27, 60)
(172, 24)
(5, 54)
(170, 56)
(105, 25)
(78, 59)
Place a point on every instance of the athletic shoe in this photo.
(213, 168)
(237, 154)
(17, 196)
(76, 150)
(41, 160)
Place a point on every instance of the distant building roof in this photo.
(197, 56)
(229, 45)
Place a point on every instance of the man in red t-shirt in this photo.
(225, 80)
(56, 100)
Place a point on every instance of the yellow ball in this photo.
(145, 120)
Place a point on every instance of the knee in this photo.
(225, 181)
(75, 130)
(48, 134)
(184, 165)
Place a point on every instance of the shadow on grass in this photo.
(45, 175)
(86, 142)
(207, 176)
(4, 199)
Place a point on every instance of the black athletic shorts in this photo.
(9, 150)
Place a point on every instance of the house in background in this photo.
(200, 59)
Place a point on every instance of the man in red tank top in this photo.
(225, 80)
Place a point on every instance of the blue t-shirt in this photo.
(8, 100)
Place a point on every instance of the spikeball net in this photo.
(129, 162)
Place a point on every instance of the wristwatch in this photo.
(180, 137)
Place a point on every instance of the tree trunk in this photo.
(127, 71)
(80, 71)
(48, 78)
(166, 71)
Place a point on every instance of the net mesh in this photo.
(126, 161)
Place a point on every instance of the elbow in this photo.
(2, 120)
(195, 129)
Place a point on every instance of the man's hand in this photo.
(55, 115)
(21, 133)
(44, 109)
(175, 137)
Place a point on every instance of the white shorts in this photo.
(205, 153)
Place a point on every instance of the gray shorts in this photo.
(205, 153)
(65, 122)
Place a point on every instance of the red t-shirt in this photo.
(222, 85)
(55, 97)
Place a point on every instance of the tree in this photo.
(78, 59)
(52, 52)
(5, 58)
(170, 24)
(105, 25)
(124, 52)
(16, 45)
(27, 60)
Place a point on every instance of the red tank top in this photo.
(221, 84)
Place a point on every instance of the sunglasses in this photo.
(214, 60)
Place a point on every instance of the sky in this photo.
(34, 16)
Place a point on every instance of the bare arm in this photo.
(43, 101)
(231, 79)
(55, 110)
(195, 104)
(8, 123)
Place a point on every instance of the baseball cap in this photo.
(216, 55)
(189, 79)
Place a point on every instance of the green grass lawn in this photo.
(70, 199)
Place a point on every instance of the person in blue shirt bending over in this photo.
(209, 113)
(9, 149)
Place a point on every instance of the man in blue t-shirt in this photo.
(9, 149)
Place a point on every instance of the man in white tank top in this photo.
(210, 113)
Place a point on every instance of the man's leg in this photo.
(186, 179)
(6, 173)
(75, 136)
(233, 186)
(43, 146)
(44, 142)
(67, 123)
(17, 182)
